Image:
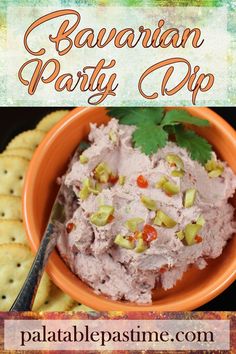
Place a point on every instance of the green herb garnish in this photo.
(155, 126)
(137, 115)
(175, 117)
(83, 145)
(150, 138)
(198, 147)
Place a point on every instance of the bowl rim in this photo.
(91, 299)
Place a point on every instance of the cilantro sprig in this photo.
(146, 138)
(154, 127)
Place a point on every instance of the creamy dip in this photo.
(140, 221)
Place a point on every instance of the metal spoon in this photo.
(25, 298)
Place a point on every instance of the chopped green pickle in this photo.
(167, 186)
(216, 173)
(113, 136)
(180, 235)
(210, 165)
(123, 242)
(88, 187)
(86, 182)
(132, 224)
(170, 188)
(106, 209)
(141, 246)
(157, 221)
(177, 173)
(161, 181)
(139, 235)
(200, 221)
(101, 217)
(102, 172)
(163, 219)
(148, 202)
(191, 231)
(214, 168)
(83, 159)
(84, 192)
(94, 190)
(173, 159)
(121, 180)
(98, 187)
(189, 197)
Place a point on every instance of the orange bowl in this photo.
(50, 161)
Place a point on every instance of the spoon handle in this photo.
(25, 299)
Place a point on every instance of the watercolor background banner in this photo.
(119, 316)
(215, 56)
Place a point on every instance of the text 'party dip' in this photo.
(137, 221)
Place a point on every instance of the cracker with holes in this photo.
(12, 231)
(15, 262)
(29, 140)
(12, 173)
(50, 120)
(56, 301)
(20, 152)
(10, 207)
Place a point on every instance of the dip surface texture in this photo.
(140, 221)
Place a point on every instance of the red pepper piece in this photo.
(110, 218)
(169, 194)
(198, 239)
(163, 270)
(142, 182)
(149, 233)
(113, 179)
(69, 227)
